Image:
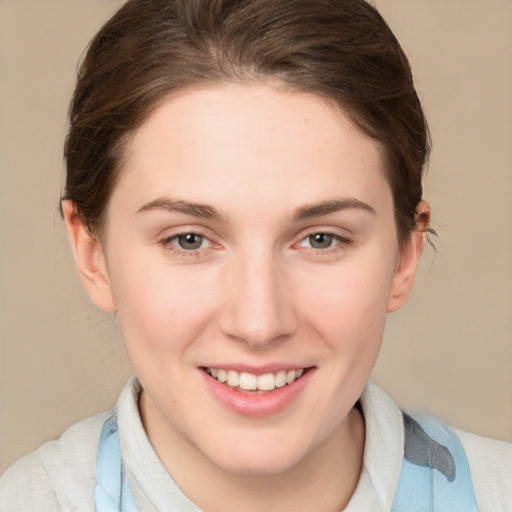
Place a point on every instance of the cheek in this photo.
(158, 307)
(355, 295)
(347, 308)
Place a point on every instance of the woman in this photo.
(244, 193)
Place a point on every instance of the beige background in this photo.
(449, 350)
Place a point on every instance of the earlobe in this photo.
(89, 258)
(410, 253)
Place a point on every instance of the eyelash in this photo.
(171, 243)
(337, 242)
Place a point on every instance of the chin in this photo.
(258, 459)
(259, 467)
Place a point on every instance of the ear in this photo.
(410, 253)
(89, 258)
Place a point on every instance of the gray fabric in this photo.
(60, 475)
(422, 450)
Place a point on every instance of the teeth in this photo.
(233, 378)
(249, 382)
(266, 382)
(290, 376)
(280, 379)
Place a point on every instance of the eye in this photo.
(320, 241)
(189, 241)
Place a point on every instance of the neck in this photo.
(323, 480)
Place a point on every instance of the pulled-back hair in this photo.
(341, 50)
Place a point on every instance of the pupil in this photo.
(190, 241)
(321, 241)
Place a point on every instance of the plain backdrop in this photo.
(448, 351)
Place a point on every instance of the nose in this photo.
(258, 304)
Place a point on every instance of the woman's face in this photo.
(251, 237)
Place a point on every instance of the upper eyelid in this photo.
(182, 233)
(175, 231)
(327, 227)
(338, 232)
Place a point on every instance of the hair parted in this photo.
(341, 50)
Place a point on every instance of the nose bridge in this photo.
(258, 309)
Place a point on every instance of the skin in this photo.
(256, 292)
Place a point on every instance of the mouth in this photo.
(245, 382)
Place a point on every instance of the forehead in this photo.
(256, 143)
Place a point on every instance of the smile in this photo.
(249, 382)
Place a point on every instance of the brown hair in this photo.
(340, 49)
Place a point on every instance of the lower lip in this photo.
(257, 404)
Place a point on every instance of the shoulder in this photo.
(59, 475)
(490, 463)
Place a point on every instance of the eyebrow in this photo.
(206, 211)
(196, 209)
(331, 206)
